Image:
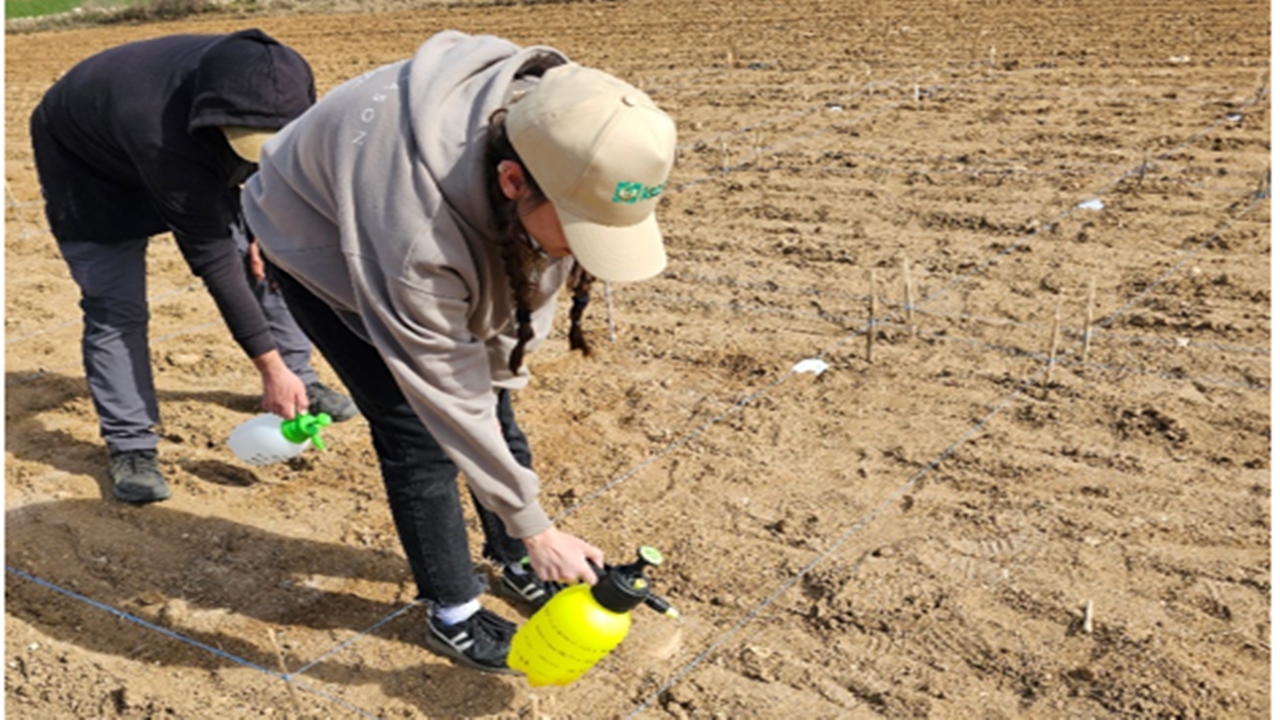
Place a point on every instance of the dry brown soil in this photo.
(942, 524)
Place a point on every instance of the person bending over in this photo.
(420, 221)
(155, 136)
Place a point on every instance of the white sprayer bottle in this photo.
(269, 438)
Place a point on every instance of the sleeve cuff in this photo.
(529, 520)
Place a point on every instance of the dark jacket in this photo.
(127, 145)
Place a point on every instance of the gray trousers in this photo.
(117, 355)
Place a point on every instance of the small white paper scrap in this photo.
(1235, 117)
(1094, 204)
(813, 365)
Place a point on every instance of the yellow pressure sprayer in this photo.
(583, 623)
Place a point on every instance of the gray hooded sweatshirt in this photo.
(375, 200)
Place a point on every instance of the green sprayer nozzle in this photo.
(304, 427)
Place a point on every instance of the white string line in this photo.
(867, 89)
(157, 298)
(936, 335)
(833, 167)
(1257, 198)
(795, 139)
(1258, 95)
(848, 320)
(1107, 187)
(1189, 183)
(17, 206)
(703, 143)
(996, 165)
(825, 105)
(22, 380)
(1107, 336)
(1000, 406)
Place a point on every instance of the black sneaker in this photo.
(135, 477)
(323, 399)
(527, 587)
(482, 641)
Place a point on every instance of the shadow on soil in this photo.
(125, 571)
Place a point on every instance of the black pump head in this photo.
(622, 587)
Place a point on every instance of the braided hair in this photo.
(521, 259)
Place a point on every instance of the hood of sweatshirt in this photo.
(375, 201)
(453, 71)
(249, 79)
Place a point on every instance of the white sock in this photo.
(454, 614)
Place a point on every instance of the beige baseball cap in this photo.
(247, 141)
(601, 150)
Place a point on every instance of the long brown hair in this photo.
(520, 259)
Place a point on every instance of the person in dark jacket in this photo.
(157, 136)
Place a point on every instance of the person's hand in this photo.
(257, 267)
(283, 393)
(560, 557)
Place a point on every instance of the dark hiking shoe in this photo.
(323, 399)
(527, 587)
(135, 477)
(482, 641)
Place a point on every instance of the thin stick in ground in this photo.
(909, 293)
(608, 307)
(1088, 320)
(1053, 339)
(284, 670)
(872, 310)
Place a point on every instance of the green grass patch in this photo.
(38, 8)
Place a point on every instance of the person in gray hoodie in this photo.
(420, 221)
(155, 136)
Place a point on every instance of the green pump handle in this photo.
(305, 426)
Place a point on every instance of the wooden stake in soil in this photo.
(608, 309)
(284, 670)
(1053, 340)
(871, 315)
(910, 295)
(1088, 320)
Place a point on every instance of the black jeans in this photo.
(420, 479)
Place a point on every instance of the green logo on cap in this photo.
(631, 193)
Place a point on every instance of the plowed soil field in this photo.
(954, 401)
